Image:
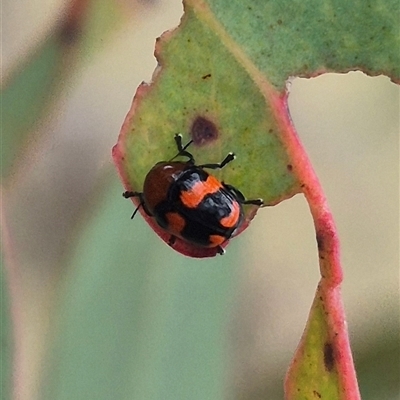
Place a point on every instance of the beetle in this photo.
(191, 204)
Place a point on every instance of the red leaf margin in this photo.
(328, 251)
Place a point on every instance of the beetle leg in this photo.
(240, 198)
(236, 192)
(230, 157)
(178, 141)
(128, 194)
(172, 240)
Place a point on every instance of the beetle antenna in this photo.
(137, 209)
(129, 194)
(182, 149)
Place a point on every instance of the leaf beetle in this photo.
(188, 202)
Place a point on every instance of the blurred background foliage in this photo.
(103, 308)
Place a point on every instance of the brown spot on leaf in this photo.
(329, 358)
(317, 394)
(320, 241)
(289, 167)
(203, 131)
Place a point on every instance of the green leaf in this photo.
(291, 38)
(194, 84)
(313, 373)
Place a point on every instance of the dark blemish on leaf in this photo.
(316, 394)
(320, 241)
(289, 167)
(329, 359)
(206, 76)
(203, 131)
(279, 22)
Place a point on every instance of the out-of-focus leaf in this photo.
(103, 18)
(26, 97)
(33, 88)
(136, 323)
(5, 338)
(378, 364)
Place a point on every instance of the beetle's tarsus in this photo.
(256, 202)
(221, 250)
(230, 157)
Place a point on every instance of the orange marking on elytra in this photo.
(193, 197)
(176, 223)
(216, 240)
(231, 220)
